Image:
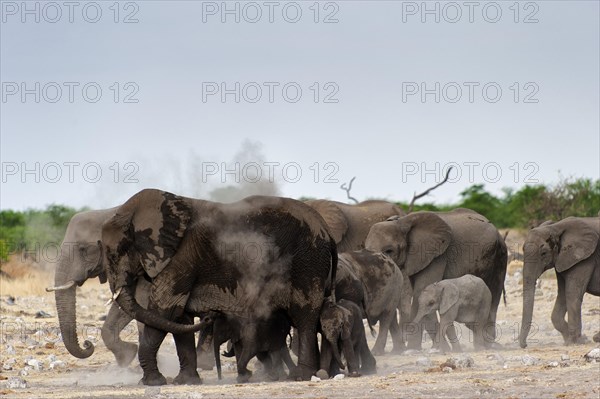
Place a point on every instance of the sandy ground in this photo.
(546, 368)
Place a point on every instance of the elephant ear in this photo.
(578, 241)
(152, 223)
(333, 216)
(428, 237)
(449, 297)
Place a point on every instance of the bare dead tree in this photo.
(348, 188)
(426, 192)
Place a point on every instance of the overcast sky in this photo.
(173, 93)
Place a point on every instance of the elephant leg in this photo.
(115, 322)
(430, 324)
(287, 359)
(431, 274)
(576, 281)
(269, 364)
(450, 332)
(397, 336)
(368, 364)
(243, 356)
(151, 340)
(326, 356)
(412, 331)
(351, 358)
(560, 309)
(186, 351)
(308, 355)
(205, 357)
(384, 326)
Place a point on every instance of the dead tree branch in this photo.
(347, 190)
(426, 192)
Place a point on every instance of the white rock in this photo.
(339, 377)
(553, 364)
(411, 352)
(24, 372)
(57, 364)
(314, 378)
(447, 369)
(461, 362)
(16, 383)
(51, 358)
(593, 355)
(36, 364)
(564, 357)
(528, 360)
(9, 350)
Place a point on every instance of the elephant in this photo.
(465, 299)
(571, 247)
(376, 280)
(350, 224)
(263, 338)
(342, 326)
(81, 259)
(247, 259)
(433, 246)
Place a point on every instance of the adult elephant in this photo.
(81, 259)
(432, 246)
(250, 258)
(350, 224)
(570, 246)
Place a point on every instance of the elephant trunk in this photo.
(530, 275)
(127, 302)
(65, 306)
(336, 353)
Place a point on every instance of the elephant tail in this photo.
(334, 264)
(504, 294)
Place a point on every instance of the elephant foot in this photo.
(354, 374)
(301, 374)
(580, 340)
(153, 379)
(245, 377)
(126, 354)
(596, 337)
(187, 378)
(322, 374)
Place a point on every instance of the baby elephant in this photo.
(466, 299)
(342, 325)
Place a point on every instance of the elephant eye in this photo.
(431, 302)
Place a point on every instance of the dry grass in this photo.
(23, 279)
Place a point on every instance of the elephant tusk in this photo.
(114, 297)
(61, 287)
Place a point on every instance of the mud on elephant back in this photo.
(180, 243)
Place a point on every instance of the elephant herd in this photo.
(255, 270)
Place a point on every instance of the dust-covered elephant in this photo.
(375, 280)
(570, 246)
(250, 258)
(433, 246)
(350, 224)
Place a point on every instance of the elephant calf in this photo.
(466, 299)
(341, 325)
(263, 338)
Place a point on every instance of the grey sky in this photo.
(368, 61)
